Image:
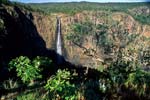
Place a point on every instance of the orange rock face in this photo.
(46, 25)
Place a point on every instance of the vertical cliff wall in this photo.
(46, 26)
(29, 33)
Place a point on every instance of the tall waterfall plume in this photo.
(59, 41)
(58, 44)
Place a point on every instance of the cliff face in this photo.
(94, 55)
(20, 35)
(44, 27)
(128, 22)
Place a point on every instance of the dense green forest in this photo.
(33, 72)
(72, 8)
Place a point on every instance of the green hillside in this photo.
(75, 7)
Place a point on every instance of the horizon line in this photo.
(79, 2)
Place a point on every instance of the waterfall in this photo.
(59, 41)
(58, 44)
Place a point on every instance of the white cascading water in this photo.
(59, 42)
(58, 45)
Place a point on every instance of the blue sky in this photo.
(39, 1)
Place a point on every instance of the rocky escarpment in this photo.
(128, 22)
(34, 33)
(77, 54)
(22, 34)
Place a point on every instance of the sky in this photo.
(41, 1)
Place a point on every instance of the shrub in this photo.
(125, 77)
(60, 87)
(42, 61)
(119, 71)
(139, 81)
(25, 68)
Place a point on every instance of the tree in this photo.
(4, 2)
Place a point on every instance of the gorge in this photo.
(74, 51)
(78, 47)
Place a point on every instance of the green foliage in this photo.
(127, 73)
(79, 31)
(139, 81)
(26, 69)
(92, 90)
(74, 7)
(4, 1)
(100, 68)
(60, 87)
(75, 38)
(102, 37)
(144, 19)
(35, 95)
(42, 61)
(83, 28)
(120, 70)
(99, 33)
(63, 87)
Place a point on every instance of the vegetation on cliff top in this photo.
(74, 7)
